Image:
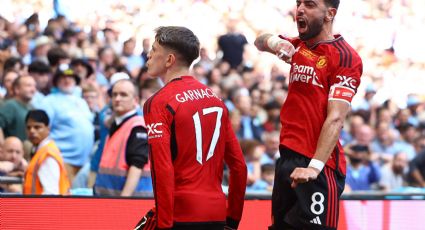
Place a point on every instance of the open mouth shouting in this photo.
(301, 25)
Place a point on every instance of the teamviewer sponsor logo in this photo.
(154, 130)
(304, 74)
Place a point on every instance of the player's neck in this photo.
(175, 73)
(324, 35)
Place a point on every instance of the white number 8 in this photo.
(316, 202)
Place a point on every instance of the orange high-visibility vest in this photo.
(113, 168)
(32, 184)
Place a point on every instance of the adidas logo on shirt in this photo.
(316, 220)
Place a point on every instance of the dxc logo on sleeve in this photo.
(347, 81)
(154, 130)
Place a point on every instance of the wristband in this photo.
(273, 41)
(314, 163)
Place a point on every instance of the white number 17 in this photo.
(198, 132)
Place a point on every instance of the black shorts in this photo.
(311, 205)
(199, 226)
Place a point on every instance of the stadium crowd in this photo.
(384, 137)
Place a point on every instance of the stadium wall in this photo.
(102, 213)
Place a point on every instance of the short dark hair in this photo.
(38, 67)
(11, 62)
(267, 168)
(54, 55)
(180, 39)
(38, 115)
(332, 3)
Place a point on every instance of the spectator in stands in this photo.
(124, 168)
(265, 183)
(408, 133)
(41, 73)
(91, 96)
(13, 153)
(84, 70)
(56, 57)
(363, 135)
(70, 121)
(7, 82)
(107, 58)
(273, 116)
(413, 104)
(355, 122)
(41, 48)
(14, 63)
(23, 50)
(146, 44)
(393, 174)
(386, 144)
(232, 44)
(46, 173)
(253, 151)
(271, 147)
(13, 111)
(362, 173)
(250, 126)
(132, 62)
(204, 60)
(416, 175)
(419, 144)
(365, 103)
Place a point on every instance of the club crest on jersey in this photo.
(321, 62)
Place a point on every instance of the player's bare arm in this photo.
(261, 43)
(133, 177)
(337, 112)
(275, 45)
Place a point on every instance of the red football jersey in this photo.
(330, 70)
(190, 138)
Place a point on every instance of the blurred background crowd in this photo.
(104, 41)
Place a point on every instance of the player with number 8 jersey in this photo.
(190, 137)
(325, 74)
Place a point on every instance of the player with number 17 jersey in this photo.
(190, 138)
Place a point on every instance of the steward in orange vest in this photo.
(46, 172)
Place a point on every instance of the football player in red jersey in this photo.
(190, 137)
(324, 77)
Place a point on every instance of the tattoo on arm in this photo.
(261, 43)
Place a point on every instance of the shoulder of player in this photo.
(157, 100)
(346, 55)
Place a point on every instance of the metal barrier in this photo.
(408, 193)
(10, 180)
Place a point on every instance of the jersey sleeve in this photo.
(294, 41)
(238, 173)
(346, 78)
(158, 124)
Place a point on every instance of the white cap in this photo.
(117, 77)
(42, 40)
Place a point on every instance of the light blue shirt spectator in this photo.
(37, 99)
(362, 178)
(397, 146)
(71, 126)
(134, 61)
(258, 186)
